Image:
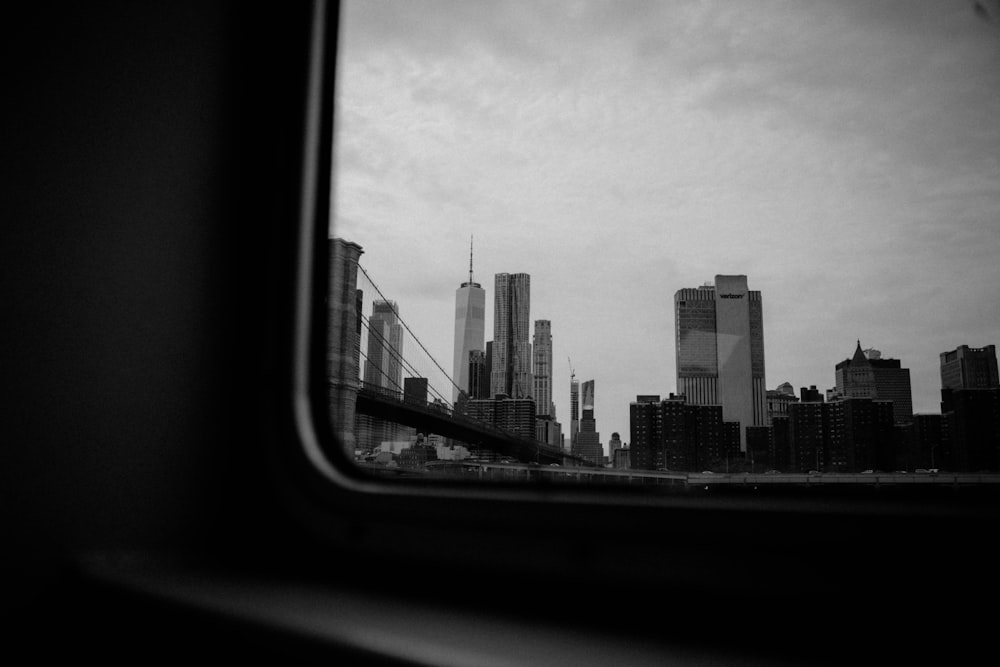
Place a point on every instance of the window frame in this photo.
(565, 529)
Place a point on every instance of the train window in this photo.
(681, 245)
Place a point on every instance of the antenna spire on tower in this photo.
(470, 259)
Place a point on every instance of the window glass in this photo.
(677, 243)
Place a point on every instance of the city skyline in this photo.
(843, 156)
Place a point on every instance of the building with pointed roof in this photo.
(470, 331)
(868, 375)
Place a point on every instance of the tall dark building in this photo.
(842, 435)
(513, 415)
(892, 383)
(343, 348)
(549, 431)
(970, 408)
(868, 375)
(810, 394)
(542, 368)
(929, 445)
(676, 435)
(383, 365)
(644, 431)
(588, 440)
(574, 411)
(779, 453)
(614, 444)
(778, 401)
(759, 448)
(807, 435)
(479, 375)
(510, 374)
(860, 435)
(969, 368)
(719, 345)
(855, 377)
(971, 428)
(415, 390)
(670, 434)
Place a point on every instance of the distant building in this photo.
(622, 458)
(971, 428)
(970, 408)
(343, 347)
(868, 375)
(513, 415)
(759, 448)
(719, 346)
(807, 436)
(614, 444)
(691, 435)
(843, 435)
(929, 448)
(969, 368)
(549, 431)
(511, 371)
(415, 391)
(383, 374)
(478, 384)
(860, 436)
(892, 383)
(588, 440)
(542, 368)
(644, 431)
(778, 401)
(470, 328)
(574, 412)
(383, 365)
(670, 434)
(417, 455)
(779, 452)
(855, 377)
(810, 395)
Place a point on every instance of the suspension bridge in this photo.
(383, 395)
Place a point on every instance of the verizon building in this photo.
(720, 350)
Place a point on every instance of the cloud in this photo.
(836, 153)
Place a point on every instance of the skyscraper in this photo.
(719, 336)
(588, 440)
(511, 371)
(343, 337)
(478, 386)
(970, 408)
(574, 412)
(470, 328)
(969, 368)
(868, 375)
(855, 377)
(383, 368)
(383, 373)
(542, 368)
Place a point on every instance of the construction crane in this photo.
(572, 372)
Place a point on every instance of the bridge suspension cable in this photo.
(391, 381)
(398, 356)
(405, 326)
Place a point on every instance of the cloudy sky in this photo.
(844, 155)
